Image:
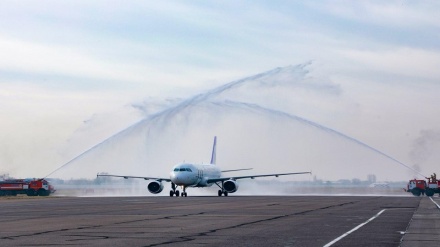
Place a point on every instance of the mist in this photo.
(256, 125)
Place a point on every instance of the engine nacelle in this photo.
(230, 186)
(155, 187)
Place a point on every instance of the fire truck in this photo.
(421, 187)
(30, 187)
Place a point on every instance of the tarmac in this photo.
(220, 221)
(424, 229)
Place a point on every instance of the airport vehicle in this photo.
(421, 187)
(199, 175)
(30, 187)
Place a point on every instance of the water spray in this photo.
(162, 118)
(256, 107)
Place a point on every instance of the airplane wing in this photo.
(243, 169)
(213, 180)
(127, 177)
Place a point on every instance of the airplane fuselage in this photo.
(194, 175)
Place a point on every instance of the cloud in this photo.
(401, 14)
(53, 60)
(174, 43)
(411, 62)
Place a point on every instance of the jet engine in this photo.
(230, 186)
(155, 187)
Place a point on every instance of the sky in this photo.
(74, 73)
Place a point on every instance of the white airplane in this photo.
(199, 175)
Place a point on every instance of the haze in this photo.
(74, 75)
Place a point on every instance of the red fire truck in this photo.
(421, 187)
(30, 187)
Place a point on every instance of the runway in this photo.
(215, 221)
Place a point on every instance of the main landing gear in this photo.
(176, 192)
(222, 190)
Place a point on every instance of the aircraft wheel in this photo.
(225, 193)
(171, 193)
(177, 193)
(185, 194)
(220, 193)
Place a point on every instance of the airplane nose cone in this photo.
(177, 178)
(182, 179)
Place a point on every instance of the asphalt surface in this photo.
(424, 229)
(219, 221)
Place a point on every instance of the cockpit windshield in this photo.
(182, 169)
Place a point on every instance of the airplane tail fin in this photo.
(214, 151)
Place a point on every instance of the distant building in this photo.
(371, 178)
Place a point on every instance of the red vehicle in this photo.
(30, 187)
(420, 187)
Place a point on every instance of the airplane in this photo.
(199, 175)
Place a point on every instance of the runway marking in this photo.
(438, 206)
(354, 229)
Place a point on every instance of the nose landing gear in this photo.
(176, 192)
(173, 191)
